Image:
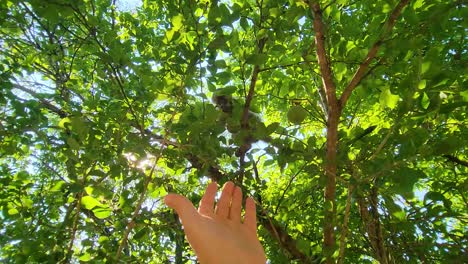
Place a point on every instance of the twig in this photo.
(344, 229)
(74, 228)
(281, 66)
(136, 211)
(382, 144)
(287, 187)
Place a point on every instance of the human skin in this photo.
(218, 235)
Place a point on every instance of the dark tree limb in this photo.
(456, 160)
(285, 240)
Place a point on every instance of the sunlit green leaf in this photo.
(388, 99)
(90, 202)
(102, 213)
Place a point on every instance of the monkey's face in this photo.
(224, 102)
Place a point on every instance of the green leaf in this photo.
(404, 180)
(141, 233)
(58, 186)
(387, 99)
(89, 202)
(271, 128)
(422, 84)
(73, 143)
(13, 211)
(297, 114)
(256, 59)
(177, 22)
(434, 196)
(102, 213)
(64, 121)
(85, 257)
(425, 101)
(400, 215)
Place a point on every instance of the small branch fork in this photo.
(361, 71)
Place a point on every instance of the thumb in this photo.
(182, 206)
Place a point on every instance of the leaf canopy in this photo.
(105, 109)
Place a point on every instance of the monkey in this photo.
(232, 109)
(224, 102)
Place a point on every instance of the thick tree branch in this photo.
(245, 114)
(324, 64)
(332, 135)
(361, 71)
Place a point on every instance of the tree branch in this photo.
(285, 240)
(44, 102)
(368, 208)
(382, 144)
(253, 82)
(456, 160)
(284, 66)
(333, 119)
(245, 114)
(74, 228)
(361, 71)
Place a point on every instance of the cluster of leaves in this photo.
(104, 111)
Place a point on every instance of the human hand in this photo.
(218, 235)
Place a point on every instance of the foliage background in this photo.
(105, 110)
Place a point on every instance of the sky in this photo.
(128, 5)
